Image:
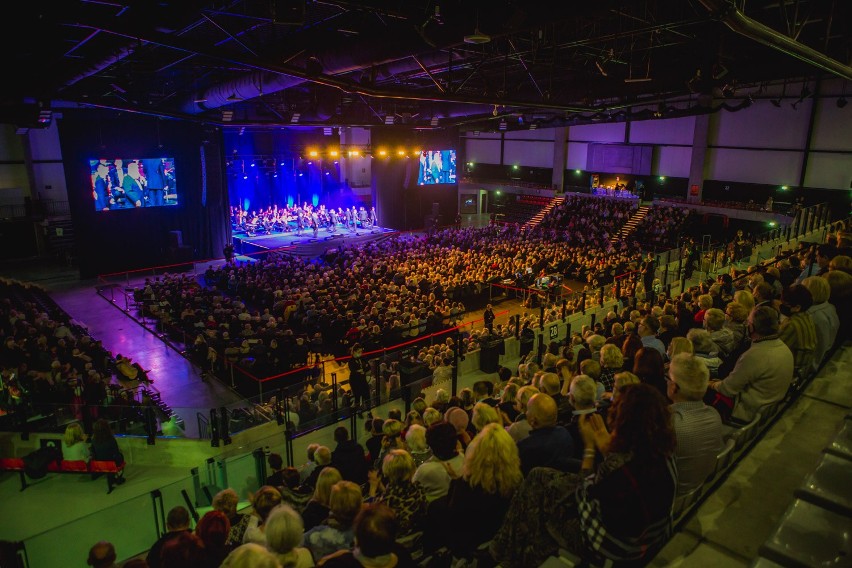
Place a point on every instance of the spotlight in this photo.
(294, 118)
(841, 102)
(326, 131)
(503, 125)
(434, 121)
(389, 119)
(227, 115)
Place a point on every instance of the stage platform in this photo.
(306, 244)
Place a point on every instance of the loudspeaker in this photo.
(175, 239)
(435, 209)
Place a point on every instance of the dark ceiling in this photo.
(259, 63)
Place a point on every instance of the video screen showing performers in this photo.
(436, 166)
(131, 183)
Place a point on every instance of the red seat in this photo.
(73, 465)
(11, 464)
(104, 466)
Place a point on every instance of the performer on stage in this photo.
(373, 217)
(102, 187)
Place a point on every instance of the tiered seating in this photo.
(524, 208)
(814, 531)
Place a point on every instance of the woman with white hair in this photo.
(824, 316)
(251, 556)
(284, 530)
(705, 349)
(415, 439)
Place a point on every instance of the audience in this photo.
(102, 555)
(762, 374)
(548, 443)
(177, 523)
(480, 494)
(263, 502)
(620, 512)
(337, 533)
(698, 427)
(284, 533)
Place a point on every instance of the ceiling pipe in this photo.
(103, 64)
(738, 22)
(323, 79)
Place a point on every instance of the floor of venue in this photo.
(727, 529)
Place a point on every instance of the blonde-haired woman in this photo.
(317, 508)
(74, 446)
(745, 298)
(484, 414)
(480, 496)
(679, 345)
(405, 496)
(612, 361)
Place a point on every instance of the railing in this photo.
(811, 222)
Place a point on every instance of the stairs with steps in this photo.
(555, 202)
(631, 224)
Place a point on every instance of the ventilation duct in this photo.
(745, 26)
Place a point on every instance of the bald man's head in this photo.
(101, 555)
(541, 411)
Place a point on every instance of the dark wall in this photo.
(400, 203)
(112, 241)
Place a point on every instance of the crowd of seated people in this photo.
(662, 225)
(586, 451)
(589, 218)
(49, 365)
(378, 294)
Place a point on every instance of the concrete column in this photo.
(560, 155)
(699, 158)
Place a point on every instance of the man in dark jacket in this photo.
(348, 457)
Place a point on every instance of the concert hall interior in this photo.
(428, 283)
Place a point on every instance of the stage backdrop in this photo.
(400, 203)
(137, 237)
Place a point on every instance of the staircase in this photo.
(631, 224)
(555, 202)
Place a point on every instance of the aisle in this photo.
(177, 380)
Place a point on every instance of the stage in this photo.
(306, 244)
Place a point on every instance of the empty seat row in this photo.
(816, 529)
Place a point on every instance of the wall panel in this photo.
(535, 153)
(753, 166)
(478, 150)
(669, 131)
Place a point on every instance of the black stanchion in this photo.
(279, 418)
(150, 424)
(214, 428)
(456, 358)
(584, 302)
(224, 425)
(259, 463)
(564, 310)
(334, 392)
